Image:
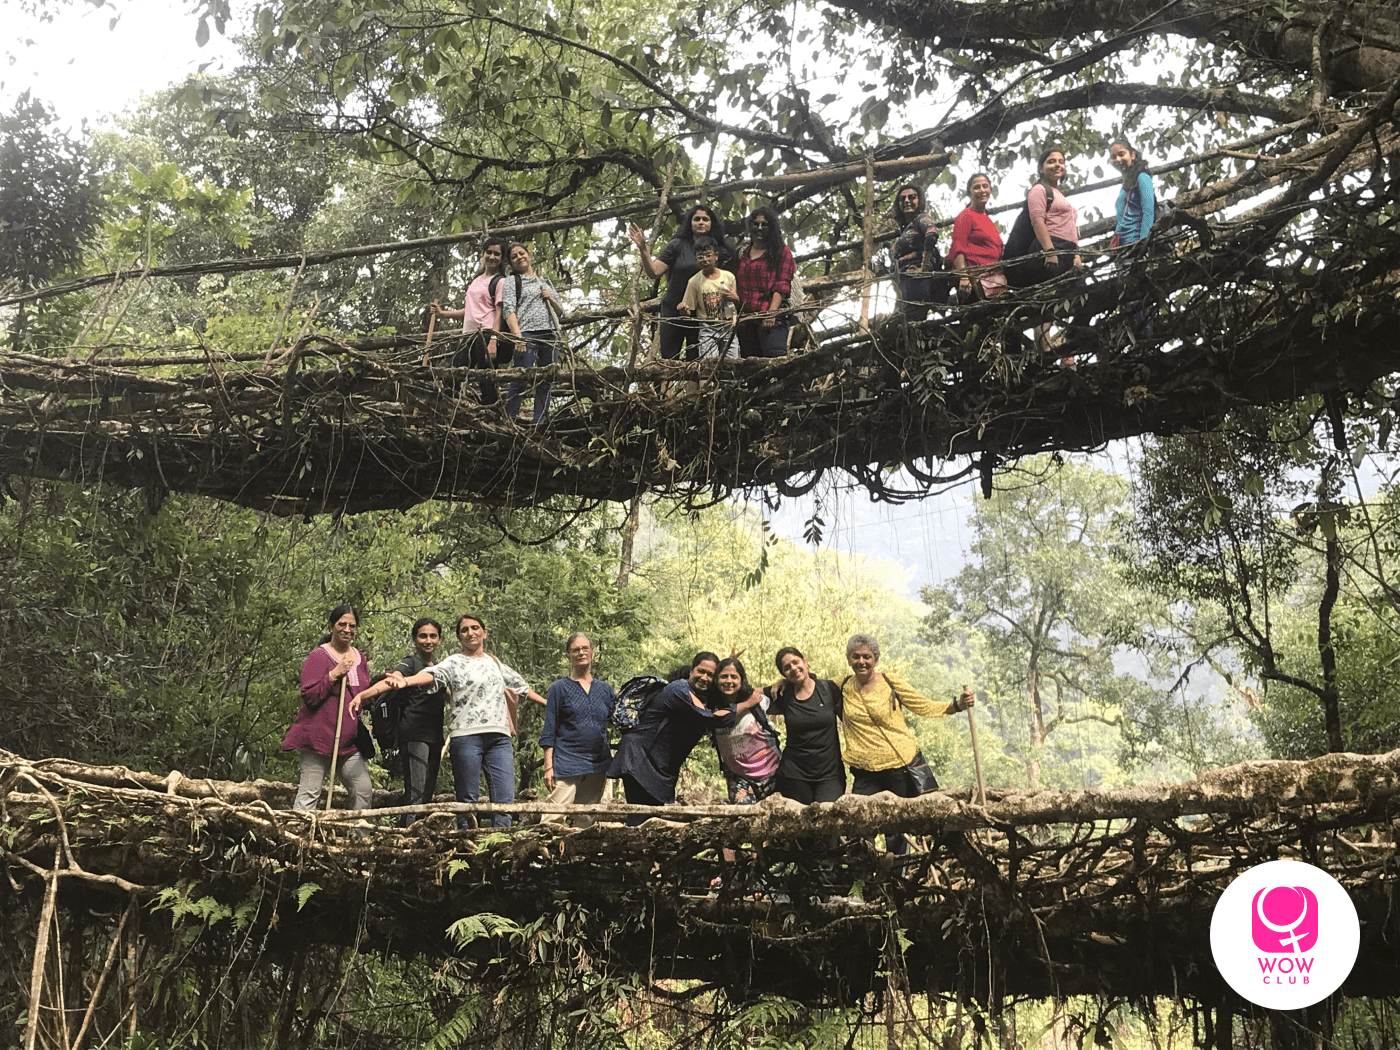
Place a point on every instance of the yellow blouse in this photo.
(877, 736)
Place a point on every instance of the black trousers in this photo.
(421, 762)
(872, 782)
(808, 791)
(676, 333)
(637, 795)
(476, 353)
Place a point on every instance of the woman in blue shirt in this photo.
(1137, 199)
(575, 734)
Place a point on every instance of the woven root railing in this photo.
(1037, 893)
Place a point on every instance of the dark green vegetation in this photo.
(1233, 598)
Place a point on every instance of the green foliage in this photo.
(174, 639)
(1235, 526)
(151, 207)
(305, 892)
(1068, 672)
(48, 201)
(483, 925)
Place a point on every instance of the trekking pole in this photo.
(976, 757)
(335, 744)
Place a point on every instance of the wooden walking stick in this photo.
(432, 321)
(335, 744)
(976, 757)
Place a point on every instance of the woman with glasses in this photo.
(881, 749)
(575, 734)
(328, 721)
(916, 253)
(766, 269)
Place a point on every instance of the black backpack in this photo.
(1021, 242)
(633, 698)
(384, 713)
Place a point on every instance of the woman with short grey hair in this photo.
(880, 748)
(863, 641)
(575, 735)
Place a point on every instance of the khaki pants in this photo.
(582, 791)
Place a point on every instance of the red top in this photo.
(758, 282)
(315, 730)
(976, 238)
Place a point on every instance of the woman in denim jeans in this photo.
(484, 697)
(528, 307)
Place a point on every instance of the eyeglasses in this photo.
(908, 196)
(581, 649)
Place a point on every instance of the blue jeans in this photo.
(917, 295)
(757, 341)
(493, 754)
(538, 350)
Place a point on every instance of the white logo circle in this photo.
(1284, 935)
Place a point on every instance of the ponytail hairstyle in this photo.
(1136, 168)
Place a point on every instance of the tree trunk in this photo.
(1331, 700)
(629, 539)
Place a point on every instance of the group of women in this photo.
(511, 314)
(711, 697)
(977, 251)
(763, 268)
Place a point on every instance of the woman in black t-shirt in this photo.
(811, 769)
(677, 260)
(420, 720)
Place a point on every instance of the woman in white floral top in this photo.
(485, 693)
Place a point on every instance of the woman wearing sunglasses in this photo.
(766, 269)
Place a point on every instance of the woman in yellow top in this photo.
(880, 749)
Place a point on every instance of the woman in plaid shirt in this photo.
(765, 276)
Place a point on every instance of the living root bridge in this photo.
(358, 426)
(1039, 893)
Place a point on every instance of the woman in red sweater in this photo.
(977, 242)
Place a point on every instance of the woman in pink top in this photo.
(748, 750)
(1055, 224)
(334, 672)
(480, 315)
(977, 242)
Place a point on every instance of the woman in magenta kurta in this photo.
(331, 676)
(977, 242)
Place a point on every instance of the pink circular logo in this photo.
(1285, 935)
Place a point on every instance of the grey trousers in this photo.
(351, 769)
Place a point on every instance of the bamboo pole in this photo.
(41, 955)
(286, 310)
(868, 243)
(976, 756)
(635, 308)
(335, 744)
(427, 346)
